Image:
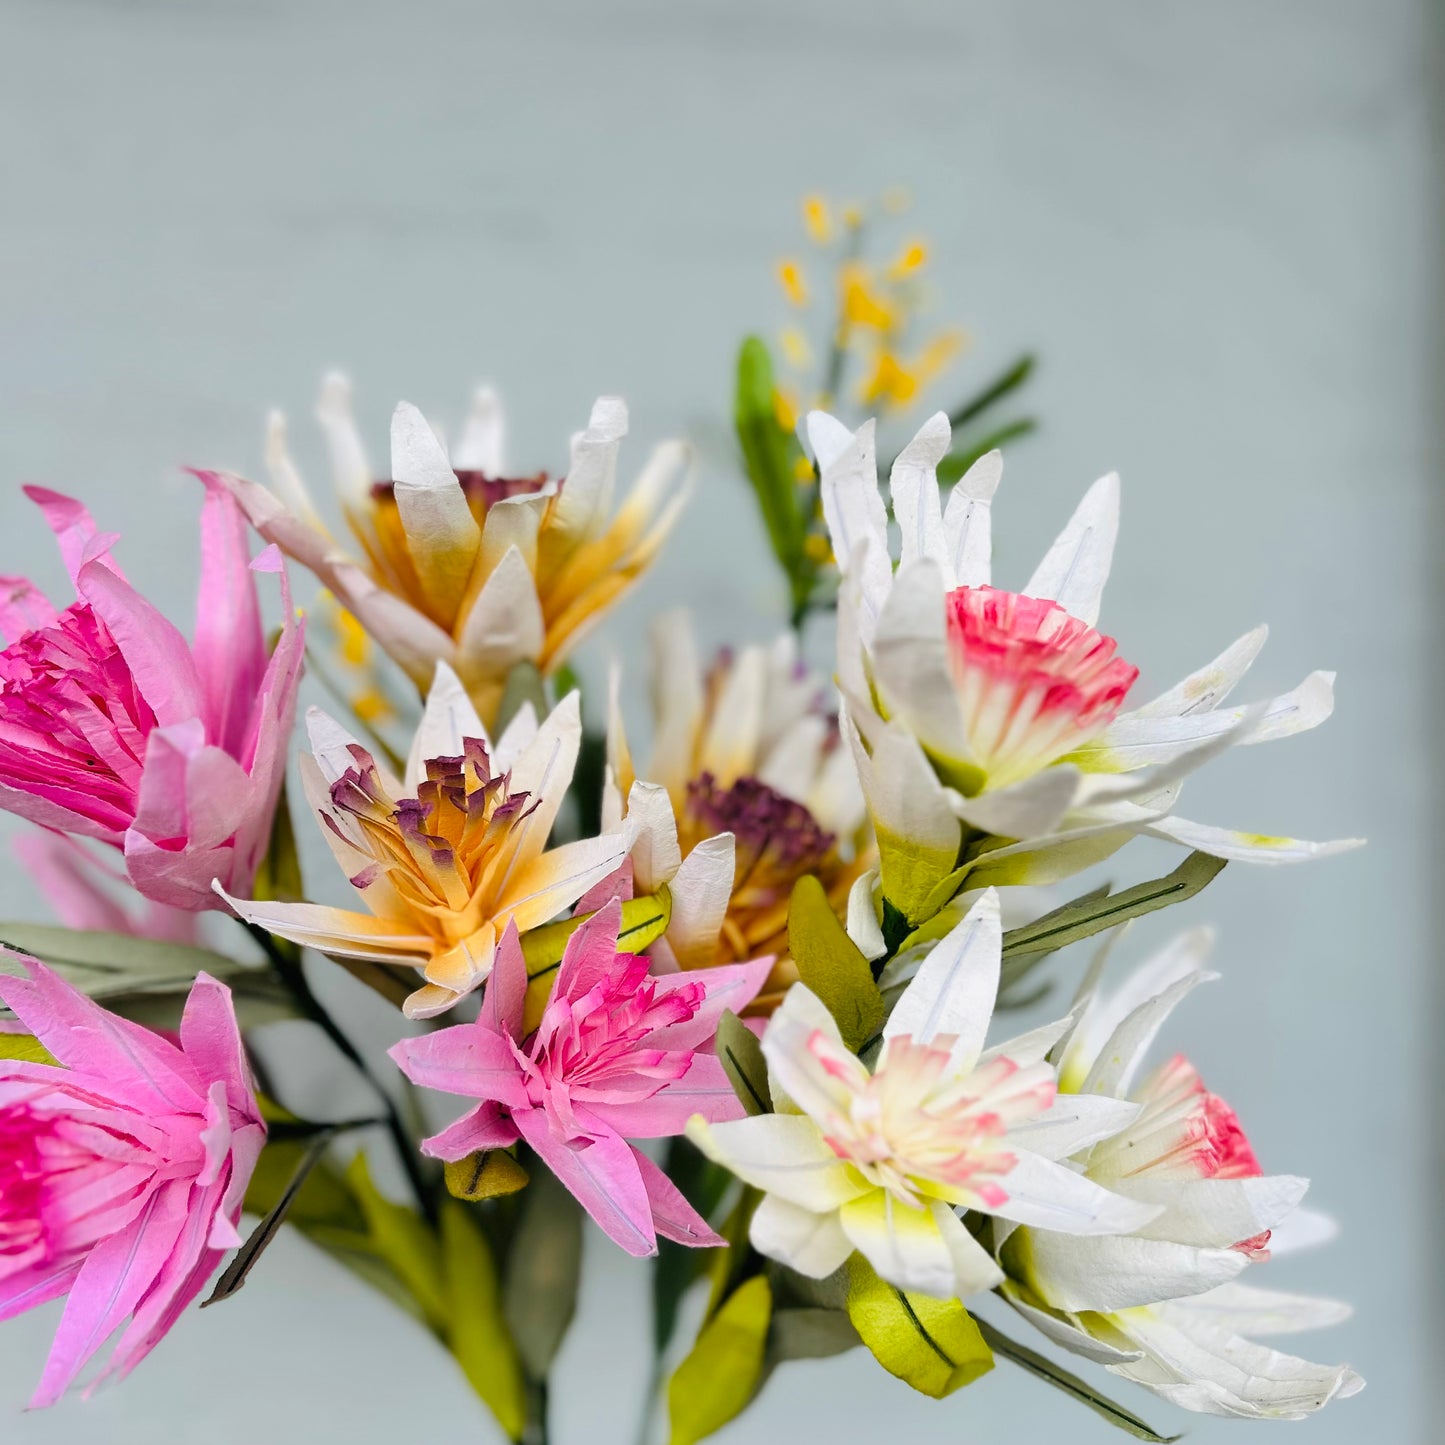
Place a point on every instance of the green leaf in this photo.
(1004, 384)
(1028, 945)
(142, 978)
(487, 1174)
(831, 964)
(644, 921)
(234, 1275)
(1045, 1369)
(741, 1056)
(808, 1333)
(544, 1267)
(402, 1239)
(477, 1333)
(958, 461)
(769, 453)
(718, 1378)
(26, 1048)
(931, 1344)
(677, 1267)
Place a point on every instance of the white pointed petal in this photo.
(1119, 1060)
(836, 798)
(910, 661)
(447, 719)
(285, 479)
(798, 1079)
(853, 508)
(813, 1244)
(677, 700)
(1065, 1332)
(1028, 809)
(700, 889)
(1073, 1122)
(909, 1247)
(1306, 1228)
(1049, 1196)
(730, 744)
(406, 635)
(544, 770)
(792, 761)
(656, 856)
(480, 448)
(1246, 847)
(1248, 1311)
(513, 522)
(967, 523)
(556, 879)
(516, 738)
(913, 486)
(1215, 1213)
(505, 625)
(1118, 1272)
(863, 926)
(952, 996)
(1133, 742)
(331, 746)
(350, 468)
(1032, 1047)
(1076, 567)
(585, 502)
(1205, 689)
(782, 1154)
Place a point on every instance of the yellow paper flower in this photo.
(459, 561)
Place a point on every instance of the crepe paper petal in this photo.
(914, 1249)
(1051, 1196)
(1246, 1310)
(967, 524)
(952, 996)
(1032, 808)
(1114, 1069)
(813, 1244)
(1074, 1122)
(913, 486)
(1076, 567)
(782, 1154)
(672, 1216)
(1204, 689)
(700, 890)
(1246, 847)
(23, 608)
(1061, 1330)
(75, 531)
(864, 927)
(481, 446)
(447, 720)
(853, 507)
(656, 855)
(1216, 1213)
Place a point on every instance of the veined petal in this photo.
(672, 1216)
(782, 1154)
(557, 879)
(1245, 847)
(1076, 567)
(1215, 1213)
(1204, 689)
(853, 508)
(1073, 1122)
(1249, 1311)
(336, 930)
(967, 524)
(1064, 1330)
(913, 486)
(1052, 1197)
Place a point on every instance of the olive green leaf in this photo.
(831, 964)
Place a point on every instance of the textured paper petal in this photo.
(1076, 567)
(813, 1244)
(782, 1154)
(967, 523)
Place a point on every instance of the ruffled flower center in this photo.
(443, 851)
(918, 1128)
(1033, 682)
(23, 1178)
(73, 723)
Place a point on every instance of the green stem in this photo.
(289, 970)
(537, 1430)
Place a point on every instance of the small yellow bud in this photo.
(785, 407)
(818, 548)
(796, 350)
(818, 219)
(790, 277)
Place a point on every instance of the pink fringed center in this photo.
(1034, 682)
(73, 723)
(22, 1188)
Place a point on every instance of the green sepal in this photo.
(931, 1344)
(487, 1174)
(831, 964)
(741, 1056)
(720, 1375)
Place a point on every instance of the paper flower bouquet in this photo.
(735, 997)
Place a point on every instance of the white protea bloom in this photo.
(447, 856)
(746, 788)
(883, 1161)
(457, 560)
(991, 725)
(1161, 1306)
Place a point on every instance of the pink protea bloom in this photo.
(619, 1054)
(1033, 681)
(123, 1167)
(114, 728)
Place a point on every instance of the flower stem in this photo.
(537, 1430)
(289, 970)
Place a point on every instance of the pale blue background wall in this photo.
(1212, 220)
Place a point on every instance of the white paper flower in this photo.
(1160, 1306)
(883, 1162)
(991, 723)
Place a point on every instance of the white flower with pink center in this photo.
(989, 726)
(889, 1161)
(1161, 1305)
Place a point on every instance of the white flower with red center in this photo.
(988, 726)
(1160, 1305)
(886, 1161)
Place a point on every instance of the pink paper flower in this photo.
(122, 1168)
(619, 1054)
(112, 727)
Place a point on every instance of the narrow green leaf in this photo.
(235, 1273)
(401, 1237)
(831, 964)
(487, 1174)
(958, 461)
(1004, 384)
(931, 1344)
(1094, 912)
(544, 1267)
(718, 1378)
(1045, 1369)
(477, 1332)
(741, 1056)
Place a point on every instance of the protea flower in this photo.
(455, 559)
(883, 1161)
(113, 728)
(450, 854)
(619, 1054)
(747, 788)
(123, 1166)
(990, 727)
(1160, 1305)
